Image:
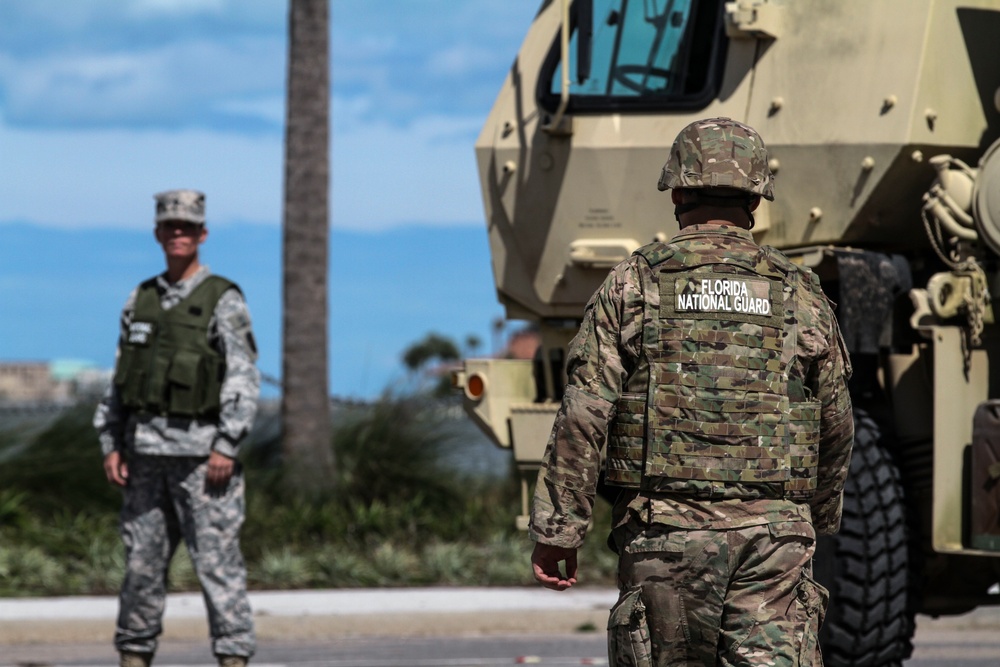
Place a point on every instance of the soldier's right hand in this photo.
(545, 559)
(116, 469)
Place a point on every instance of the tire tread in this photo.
(870, 621)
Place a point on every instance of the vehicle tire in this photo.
(865, 566)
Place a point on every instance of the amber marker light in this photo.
(475, 386)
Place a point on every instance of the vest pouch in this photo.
(984, 525)
(183, 384)
(129, 382)
(803, 450)
(213, 372)
(625, 457)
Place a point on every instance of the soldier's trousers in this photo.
(167, 500)
(716, 598)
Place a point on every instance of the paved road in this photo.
(957, 650)
(374, 652)
(364, 628)
(432, 627)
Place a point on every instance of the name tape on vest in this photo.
(748, 296)
(139, 333)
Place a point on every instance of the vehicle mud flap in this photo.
(628, 632)
(984, 524)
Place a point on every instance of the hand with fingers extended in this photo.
(545, 559)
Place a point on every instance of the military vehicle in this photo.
(881, 120)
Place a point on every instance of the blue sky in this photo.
(105, 102)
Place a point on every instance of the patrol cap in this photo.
(718, 153)
(187, 205)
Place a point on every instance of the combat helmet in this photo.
(718, 153)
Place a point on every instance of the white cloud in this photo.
(385, 176)
(173, 85)
(107, 178)
(353, 47)
(34, 26)
(146, 8)
(461, 60)
(267, 108)
(90, 85)
(115, 104)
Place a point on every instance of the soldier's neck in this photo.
(182, 268)
(719, 216)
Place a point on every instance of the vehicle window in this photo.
(644, 53)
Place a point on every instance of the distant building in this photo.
(522, 344)
(50, 383)
(27, 382)
(84, 378)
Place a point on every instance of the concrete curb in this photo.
(327, 613)
(328, 602)
(399, 612)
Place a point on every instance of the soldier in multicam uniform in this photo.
(184, 394)
(715, 371)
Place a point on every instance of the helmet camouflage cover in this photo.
(718, 153)
(186, 205)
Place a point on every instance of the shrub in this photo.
(408, 507)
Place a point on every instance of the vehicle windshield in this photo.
(643, 53)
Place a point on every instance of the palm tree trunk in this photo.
(305, 403)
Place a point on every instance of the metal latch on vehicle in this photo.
(753, 19)
(601, 253)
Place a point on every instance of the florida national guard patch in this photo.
(721, 295)
(731, 294)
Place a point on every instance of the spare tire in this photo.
(866, 565)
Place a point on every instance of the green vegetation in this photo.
(406, 509)
(419, 359)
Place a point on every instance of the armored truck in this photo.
(882, 122)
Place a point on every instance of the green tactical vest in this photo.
(710, 410)
(166, 366)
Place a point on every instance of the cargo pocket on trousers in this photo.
(813, 600)
(628, 632)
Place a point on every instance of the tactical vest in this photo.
(166, 366)
(710, 410)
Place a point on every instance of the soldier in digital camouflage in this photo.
(713, 371)
(183, 397)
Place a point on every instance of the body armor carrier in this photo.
(167, 366)
(710, 410)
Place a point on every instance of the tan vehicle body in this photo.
(881, 120)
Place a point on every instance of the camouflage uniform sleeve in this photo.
(110, 416)
(832, 371)
(599, 359)
(241, 385)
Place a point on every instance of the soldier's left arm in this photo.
(833, 370)
(110, 416)
(599, 360)
(241, 385)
